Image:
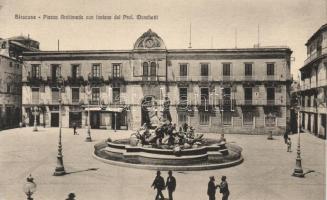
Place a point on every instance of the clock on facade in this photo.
(149, 43)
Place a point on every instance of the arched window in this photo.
(145, 69)
(153, 69)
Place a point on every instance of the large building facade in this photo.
(313, 85)
(11, 50)
(213, 90)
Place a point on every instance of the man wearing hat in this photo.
(212, 188)
(170, 184)
(224, 188)
(159, 184)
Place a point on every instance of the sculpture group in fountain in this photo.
(160, 132)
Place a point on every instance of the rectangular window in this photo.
(55, 71)
(145, 69)
(204, 95)
(55, 95)
(75, 95)
(116, 70)
(36, 71)
(153, 69)
(270, 94)
(204, 69)
(247, 118)
(17, 65)
(96, 70)
(226, 69)
(116, 95)
(182, 118)
(183, 69)
(248, 69)
(76, 71)
(35, 95)
(270, 69)
(182, 95)
(204, 118)
(248, 95)
(10, 64)
(95, 95)
(227, 118)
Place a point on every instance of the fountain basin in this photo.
(209, 155)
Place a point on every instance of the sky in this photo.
(214, 23)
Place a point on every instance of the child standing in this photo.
(289, 145)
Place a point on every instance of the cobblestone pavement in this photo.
(265, 173)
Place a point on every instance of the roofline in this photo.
(322, 28)
(232, 50)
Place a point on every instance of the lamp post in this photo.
(35, 113)
(115, 121)
(60, 169)
(298, 171)
(29, 187)
(88, 93)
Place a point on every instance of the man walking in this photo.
(74, 127)
(159, 184)
(170, 184)
(212, 188)
(224, 188)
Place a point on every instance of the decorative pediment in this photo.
(149, 40)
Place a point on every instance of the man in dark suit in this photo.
(212, 188)
(159, 184)
(170, 184)
(224, 188)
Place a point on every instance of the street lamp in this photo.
(29, 187)
(88, 93)
(60, 169)
(35, 113)
(115, 121)
(298, 171)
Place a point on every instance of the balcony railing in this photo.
(315, 55)
(150, 78)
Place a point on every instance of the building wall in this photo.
(313, 83)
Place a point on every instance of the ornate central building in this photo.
(213, 90)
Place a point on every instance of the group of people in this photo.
(159, 184)
(167, 134)
(223, 188)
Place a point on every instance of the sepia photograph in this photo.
(163, 99)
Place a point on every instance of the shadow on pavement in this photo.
(90, 169)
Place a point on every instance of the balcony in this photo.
(35, 80)
(274, 102)
(75, 101)
(248, 78)
(75, 80)
(315, 55)
(119, 79)
(95, 102)
(150, 78)
(246, 102)
(183, 78)
(227, 78)
(96, 79)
